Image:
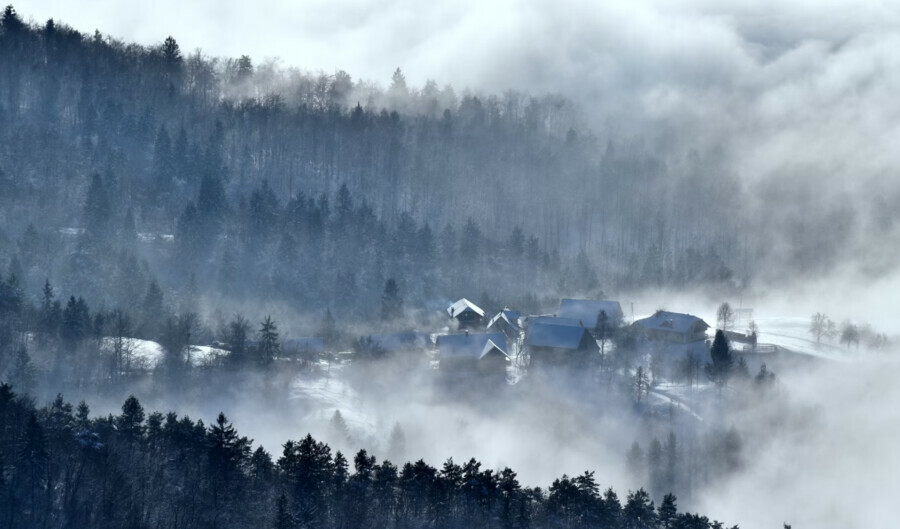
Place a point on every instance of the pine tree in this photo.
(269, 347)
(391, 301)
(328, 329)
(172, 56)
(236, 335)
(283, 518)
(720, 369)
(396, 443)
(668, 512)
(82, 415)
(32, 460)
(339, 427)
(635, 463)
(639, 511)
(742, 372)
(670, 463)
(23, 375)
(130, 424)
(152, 311)
(655, 469)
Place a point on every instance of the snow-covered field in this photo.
(146, 354)
(792, 333)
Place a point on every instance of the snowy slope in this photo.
(146, 354)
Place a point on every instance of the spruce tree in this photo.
(721, 366)
(668, 512)
(269, 347)
(391, 301)
(283, 518)
(23, 376)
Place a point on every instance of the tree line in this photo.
(66, 468)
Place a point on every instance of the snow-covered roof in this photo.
(509, 316)
(470, 345)
(587, 310)
(304, 345)
(558, 333)
(402, 341)
(464, 305)
(671, 321)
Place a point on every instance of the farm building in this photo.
(467, 314)
(508, 322)
(482, 352)
(558, 341)
(673, 327)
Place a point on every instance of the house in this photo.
(508, 322)
(673, 327)
(480, 352)
(467, 314)
(588, 310)
(558, 341)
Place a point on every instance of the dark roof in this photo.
(671, 321)
(462, 306)
(470, 345)
(587, 310)
(401, 341)
(548, 333)
(509, 316)
(304, 345)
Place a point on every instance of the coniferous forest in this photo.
(65, 468)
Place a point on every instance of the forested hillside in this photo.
(121, 165)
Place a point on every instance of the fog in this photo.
(797, 100)
(826, 458)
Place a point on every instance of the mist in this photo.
(347, 169)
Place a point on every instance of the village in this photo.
(508, 345)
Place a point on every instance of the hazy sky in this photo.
(498, 43)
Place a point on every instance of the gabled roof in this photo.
(304, 345)
(509, 316)
(547, 333)
(470, 345)
(464, 305)
(671, 321)
(587, 310)
(401, 341)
